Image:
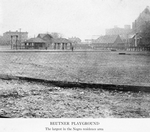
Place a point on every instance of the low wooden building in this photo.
(108, 42)
(35, 43)
(61, 43)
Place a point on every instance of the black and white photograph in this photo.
(75, 62)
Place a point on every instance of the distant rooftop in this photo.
(35, 40)
(15, 31)
(42, 35)
(107, 39)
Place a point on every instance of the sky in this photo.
(81, 18)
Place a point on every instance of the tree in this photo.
(56, 35)
(145, 33)
(75, 40)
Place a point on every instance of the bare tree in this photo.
(56, 35)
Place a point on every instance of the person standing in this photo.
(72, 48)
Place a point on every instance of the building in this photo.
(62, 43)
(21, 36)
(55, 43)
(46, 41)
(35, 43)
(48, 38)
(122, 32)
(134, 40)
(108, 42)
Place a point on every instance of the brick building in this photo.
(22, 36)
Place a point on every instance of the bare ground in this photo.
(34, 100)
(95, 67)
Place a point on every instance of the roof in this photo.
(146, 10)
(12, 32)
(42, 35)
(61, 40)
(107, 39)
(145, 15)
(35, 40)
(137, 35)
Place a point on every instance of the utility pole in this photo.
(11, 42)
(136, 33)
(127, 40)
(16, 41)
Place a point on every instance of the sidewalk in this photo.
(49, 50)
(19, 50)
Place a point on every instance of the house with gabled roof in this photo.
(47, 37)
(55, 43)
(108, 41)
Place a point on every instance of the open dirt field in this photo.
(36, 100)
(96, 67)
